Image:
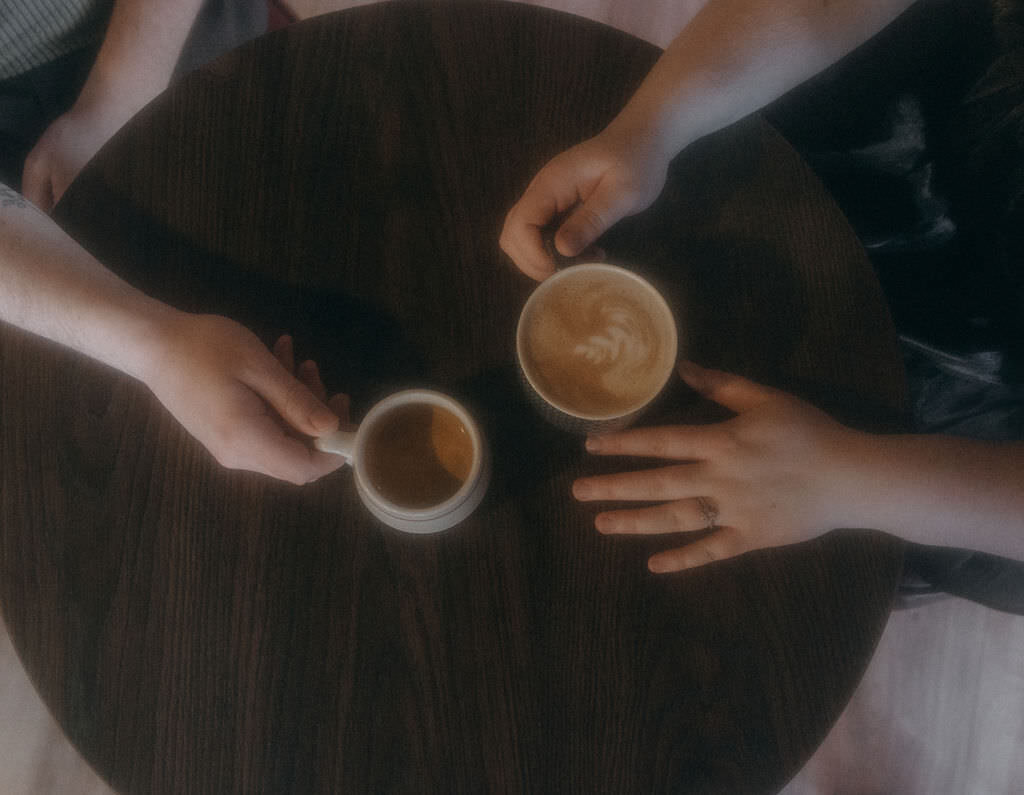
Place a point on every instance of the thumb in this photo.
(591, 219)
(59, 186)
(292, 399)
(35, 182)
(735, 392)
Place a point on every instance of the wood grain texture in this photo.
(345, 179)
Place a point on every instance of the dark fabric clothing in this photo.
(987, 579)
(222, 25)
(31, 101)
(919, 135)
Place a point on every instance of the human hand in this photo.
(598, 182)
(65, 147)
(771, 475)
(243, 402)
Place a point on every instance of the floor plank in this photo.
(37, 759)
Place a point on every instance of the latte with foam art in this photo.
(597, 343)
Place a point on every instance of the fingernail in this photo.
(568, 243)
(657, 565)
(323, 419)
(594, 444)
(581, 490)
(603, 523)
(688, 369)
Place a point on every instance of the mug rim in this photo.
(568, 272)
(418, 396)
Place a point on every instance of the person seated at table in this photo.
(781, 471)
(242, 402)
(72, 72)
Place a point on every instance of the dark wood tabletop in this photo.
(200, 630)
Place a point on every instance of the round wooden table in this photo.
(200, 630)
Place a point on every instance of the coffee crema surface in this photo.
(598, 345)
(418, 455)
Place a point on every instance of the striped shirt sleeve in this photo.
(35, 32)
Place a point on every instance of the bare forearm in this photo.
(140, 50)
(51, 286)
(736, 56)
(939, 490)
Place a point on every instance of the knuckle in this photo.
(725, 442)
(226, 458)
(679, 517)
(588, 222)
(504, 239)
(224, 446)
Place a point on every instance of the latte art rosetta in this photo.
(622, 340)
(597, 346)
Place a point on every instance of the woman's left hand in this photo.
(771, 475)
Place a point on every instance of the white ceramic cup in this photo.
(357, 447)
(610, 343)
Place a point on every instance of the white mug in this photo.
(421, 463)
(587, 331)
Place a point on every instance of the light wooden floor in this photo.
(939, 712)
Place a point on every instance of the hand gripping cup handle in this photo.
(361, 453)
(341, 443)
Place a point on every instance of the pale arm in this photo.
(731, 59)
(135, 63)
(217, 379)
(736, 56)
(940, 490)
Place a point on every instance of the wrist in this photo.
(140, 334)
(647, 132)
(848, 475)
(160, 329)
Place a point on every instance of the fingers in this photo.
(591, 219)
(290, 398)
(284, 352)
(35, 181)
(723, 543)
(267, 449)
(308, 374)
(732, 391)
(521, 236)
(341, 405)
(676, 482)
(59, 184)
(680, 516)
(676, 442)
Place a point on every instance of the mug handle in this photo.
(341, 443)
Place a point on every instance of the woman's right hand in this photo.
(598, 182)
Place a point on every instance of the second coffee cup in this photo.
(420, 460)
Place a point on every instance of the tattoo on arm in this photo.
(11, 198)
